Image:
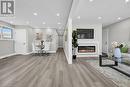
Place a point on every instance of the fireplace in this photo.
(86, 49)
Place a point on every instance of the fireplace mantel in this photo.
(87, 44)
(96, 40)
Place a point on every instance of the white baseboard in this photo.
(32, 52)
(87, 55)
(1, 57)
(27, 53)
(52, 51)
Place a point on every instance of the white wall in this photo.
(105, 41)
(119, 32)
(30, 38)
(6, 46)
(45, 32)
(67, 41)
(97, 34)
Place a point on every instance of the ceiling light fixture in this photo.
(58, 23)
(35, 14)
(58, 14)
(78, 17)
(90, 0)
(127, 1)
(99, 17)
(43, 22)
(119, 18)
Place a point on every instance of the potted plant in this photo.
(74, 43)
(117, 50)
(124, 49)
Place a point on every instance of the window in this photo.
(6, 33)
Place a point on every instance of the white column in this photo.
(69, 40)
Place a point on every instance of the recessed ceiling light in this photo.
(99, 17)
(58, 23)
(119, 18)
(43, 22)
(78, 17)
(127, 1)
(35, 14)
(91, 0)
(58, 14)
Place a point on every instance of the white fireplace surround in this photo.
(96, 41)
(93, 54)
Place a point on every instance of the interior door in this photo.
(20, 41)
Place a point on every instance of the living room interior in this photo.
(66, 43)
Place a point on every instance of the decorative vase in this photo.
(117, 54)
(74, 57)
(74, 52)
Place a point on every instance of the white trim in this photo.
(32, 52)
(7, 39)
(1, 57)
(52, 51)
(48, 52)
(27, 53)
(87, 55)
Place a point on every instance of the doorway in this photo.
(60, 41)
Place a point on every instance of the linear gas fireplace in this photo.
(86, 49)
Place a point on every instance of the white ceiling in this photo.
(109, 10)
(88, 11)
(46, 10)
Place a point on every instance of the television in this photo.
(85, 33)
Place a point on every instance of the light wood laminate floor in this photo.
(49, 71)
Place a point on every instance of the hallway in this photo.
(49, 71)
